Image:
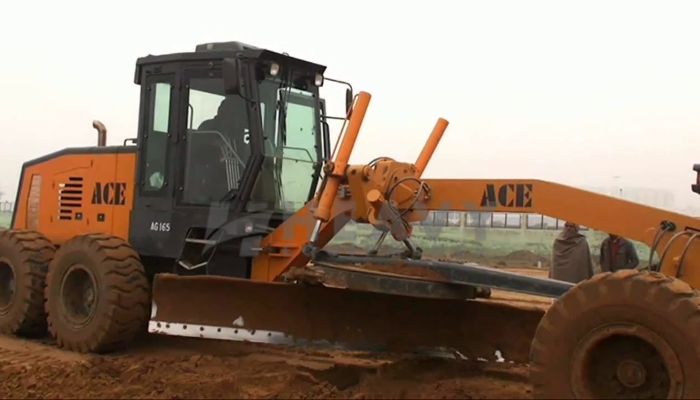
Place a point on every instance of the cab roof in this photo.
(221, 50)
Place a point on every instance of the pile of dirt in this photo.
(525, 257)
(439, 378)
(406, 270)
(179, 368)
(346, 248)
(518, 258)
(466, 255)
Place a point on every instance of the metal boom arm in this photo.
(608, 214)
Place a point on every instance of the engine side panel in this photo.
(77, 191)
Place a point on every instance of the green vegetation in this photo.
(5, 219)
(472, 243)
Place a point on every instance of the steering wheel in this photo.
(229, 148)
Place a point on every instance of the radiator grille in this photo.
(33, 203)
(70, 198)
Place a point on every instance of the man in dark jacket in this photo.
(571, 257)
(617, 253)
(231, 121)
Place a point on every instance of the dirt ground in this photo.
(169, 367)
(165, 367)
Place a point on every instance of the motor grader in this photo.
(213, 222)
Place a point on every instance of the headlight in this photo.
(318, 79)
(274, 69)
(248, 228)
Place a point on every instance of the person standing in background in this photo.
(571, 256)
(617, 253)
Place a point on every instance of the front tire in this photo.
(97, 294)
(627, 334)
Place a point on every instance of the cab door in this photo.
(151, 218)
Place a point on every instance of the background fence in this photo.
(493, 220)
(6, 206)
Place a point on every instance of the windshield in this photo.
(291, 146)
(218, 144)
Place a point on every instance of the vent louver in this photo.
(70, 198)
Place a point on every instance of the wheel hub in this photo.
(7, 284)
(631, 373)
(625, 361)
(79, 294)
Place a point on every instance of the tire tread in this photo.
(125, 289)
(34, 251)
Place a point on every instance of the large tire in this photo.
(97, 294)
(24, 257)
(627, 334)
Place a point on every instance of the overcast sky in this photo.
(572, 92)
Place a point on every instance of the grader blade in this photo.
(235, 309)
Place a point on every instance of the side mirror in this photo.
(348, 100)
(231, 73)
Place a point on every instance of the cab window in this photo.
(156, 138)
(218, 142)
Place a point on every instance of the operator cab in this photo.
(226, 133)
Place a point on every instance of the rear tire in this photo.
(24, 257)
(628, 334)
(97, 294)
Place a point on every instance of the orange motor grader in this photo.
(213, 223)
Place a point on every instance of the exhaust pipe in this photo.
(101, 133)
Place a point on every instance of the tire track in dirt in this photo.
(18, 353)
(11, 360)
